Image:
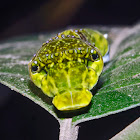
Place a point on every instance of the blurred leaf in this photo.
(131, 132)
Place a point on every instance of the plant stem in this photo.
(67, 130)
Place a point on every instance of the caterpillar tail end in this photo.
(72, 100)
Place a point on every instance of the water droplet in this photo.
(35, 62)
(92, 51)
(106, 36)
(22, 79)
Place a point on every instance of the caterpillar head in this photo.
(66, 69)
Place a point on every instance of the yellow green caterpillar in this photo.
(68, 66)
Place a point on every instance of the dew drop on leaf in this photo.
(22, 79)
(132, 55)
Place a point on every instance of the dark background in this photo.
(32, 16)
(20, 118)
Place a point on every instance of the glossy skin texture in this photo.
(68, 66)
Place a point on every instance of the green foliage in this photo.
(117, 90)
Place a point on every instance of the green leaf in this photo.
(14, 58)
(117, 90)
(131, 132)
(119, 84)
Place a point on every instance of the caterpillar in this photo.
(68, 66)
